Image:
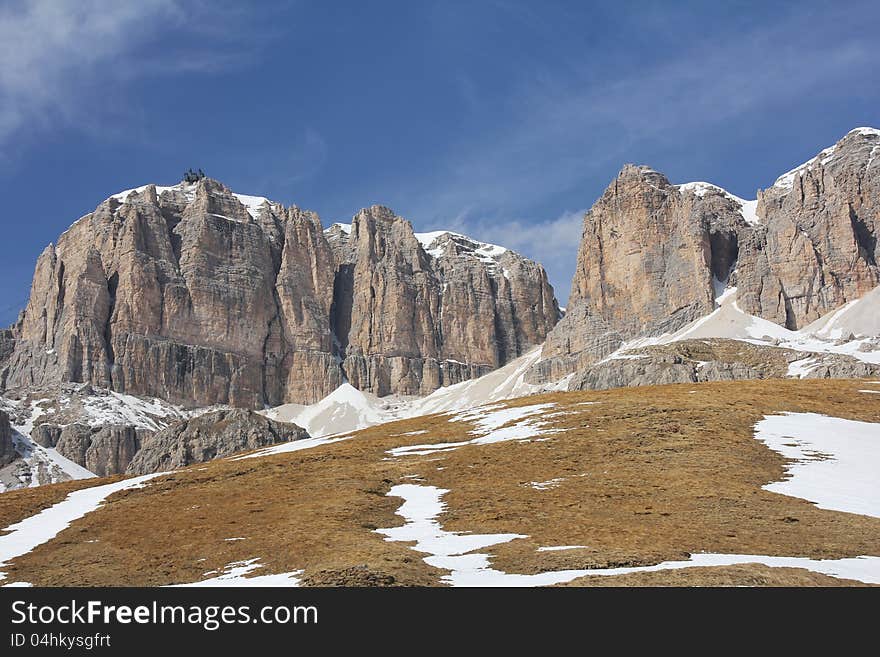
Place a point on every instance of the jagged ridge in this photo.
(200, 296)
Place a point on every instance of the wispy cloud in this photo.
(564, 130)
(58, 56)
(574, 128)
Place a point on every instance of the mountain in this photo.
(655, 257)
(199, 296)
(816, 248)
(174, 302)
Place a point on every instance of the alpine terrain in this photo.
(366, 405)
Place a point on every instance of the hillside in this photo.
(659, 485)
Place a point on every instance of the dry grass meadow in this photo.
(643, 475)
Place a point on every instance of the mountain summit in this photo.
(655, 257)
(199, 296)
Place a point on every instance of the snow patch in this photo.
(492, 425)
(560, 548)
(292, 446)
(253, 204)
(836, 461)
(434, 242)
(235, 574)
(454, 551)
(345, 228)
(546, 485)
(800, 368)
(748, 209)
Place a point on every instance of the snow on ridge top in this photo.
(122, 196)
(483, 250)
(786, 180)
(748, 209)
(252, 203)
(427, 239)
(700, 188)
(345, 228)
(865, 130)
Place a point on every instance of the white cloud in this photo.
(47, 47)
(67, 62)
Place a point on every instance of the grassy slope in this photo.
(649, 474)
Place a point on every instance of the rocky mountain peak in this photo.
(200, 295)
(655, 256)
(854, 151)
(642, 172)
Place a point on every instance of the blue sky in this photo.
(503, 119)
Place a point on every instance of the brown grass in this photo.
(16, 505)
(649, 474)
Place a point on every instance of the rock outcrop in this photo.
(200, 296)
(105, 450)
(416, 312)
(7, 346)
(655, 256)
(651, 258)
(696, 361)
(209, 436)
(7, 447)
(816, 248)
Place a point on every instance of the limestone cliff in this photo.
(654, 256)
(816, 248)
(201, 296)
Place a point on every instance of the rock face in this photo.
(212, 435)
(46, 435)
(817, 247)
(7, 447)
(103, 450)
(416, 312)
(7, 346)
(201, 296)
(650, 259)
(654, 256)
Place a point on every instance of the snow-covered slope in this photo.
(348, 409)
(852, 330)
(435, 243)
(504, 383)
(858, 318)
(345, 409)
(38, 465)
